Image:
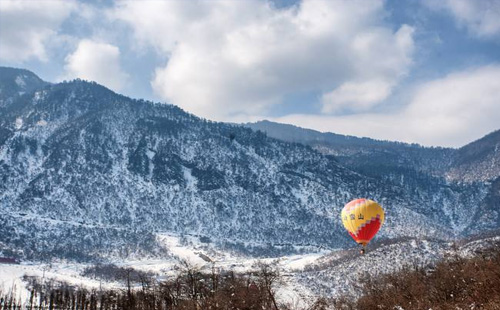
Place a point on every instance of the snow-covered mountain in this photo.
(85, 172)
(477, 161)
(15, 82)
(423, 171)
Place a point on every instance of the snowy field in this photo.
(304, 276)
(195, 255)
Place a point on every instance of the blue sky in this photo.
(424, 72)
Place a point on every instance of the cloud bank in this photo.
(98, 62)
(248, 60)
(451, 111)
(230, 59)
(27, 26)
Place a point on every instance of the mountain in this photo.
(422, 171)
(359, 152)
(88, 173)
(17, 82)
(477, 161)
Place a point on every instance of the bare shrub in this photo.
(455, 283)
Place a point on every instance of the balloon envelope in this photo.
(362, 218)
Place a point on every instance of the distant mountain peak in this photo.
(478, 160)
(16, 82)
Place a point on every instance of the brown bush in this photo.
(190, 290)
(455, 283)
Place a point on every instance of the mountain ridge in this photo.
(85, 171)
(452, 158)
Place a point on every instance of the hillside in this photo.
(87, 173)
(417, 169)
(455, 282)
(477, 161)
(14, 82)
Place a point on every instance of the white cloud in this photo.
(229, 58)
(27, 26)
(359, 96)
(451, 111)
(377, 74)
(458, 108)
(98, 62)
(481, 17)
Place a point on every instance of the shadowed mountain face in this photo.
(477, 161)
(85, 172)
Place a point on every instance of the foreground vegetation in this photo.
(454, 283)
(190, 290)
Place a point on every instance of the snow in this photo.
(20, 81)
(187, 254)
(191, 181)
(11, 277)
(299, 262)
(304, 277)
(38, 96)
(150, 154)
(19, 123)
(41, 123)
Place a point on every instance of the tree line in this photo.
(190, 290)
(453, 283)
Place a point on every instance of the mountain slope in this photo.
(425, 172)
(16, 82)
(85, 172)
(354, 150)
(477, 161)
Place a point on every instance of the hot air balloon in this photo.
(362, 218)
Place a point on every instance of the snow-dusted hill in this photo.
(425, 171)
(341, 273)
(87, 173)
(15, 82)
(478, 161)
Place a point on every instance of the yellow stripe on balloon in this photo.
(356, 214)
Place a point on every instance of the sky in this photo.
(425, 71)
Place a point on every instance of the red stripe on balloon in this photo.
(368, 231)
